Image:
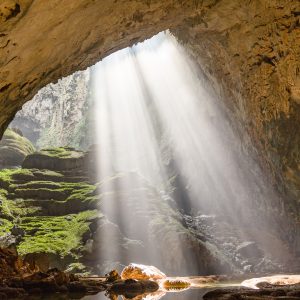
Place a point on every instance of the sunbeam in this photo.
(164, 137)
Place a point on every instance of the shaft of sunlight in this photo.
(155, 122)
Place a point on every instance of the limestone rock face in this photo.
(249, 53)
(59, 114)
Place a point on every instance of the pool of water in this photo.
(195, 292)
(190, 294)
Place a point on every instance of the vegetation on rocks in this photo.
(14, 148)
(48, 212)
(58, 235)
(56, 159)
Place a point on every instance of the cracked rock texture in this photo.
(248, 50)
(59, 114)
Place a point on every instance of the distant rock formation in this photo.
(59, 115)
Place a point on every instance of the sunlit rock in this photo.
(137, 271)
(176, 284)
(255, 283)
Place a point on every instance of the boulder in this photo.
(255, 283)
(133, 286)
(13, 149)
(138, 271)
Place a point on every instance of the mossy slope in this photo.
(49, 212)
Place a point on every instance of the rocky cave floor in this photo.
(18, 280)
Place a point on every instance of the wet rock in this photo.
(283, 292)
(76, 287)
(134, 286)
(272, 280)
(138, 271)
(11, 293)
(112, 276)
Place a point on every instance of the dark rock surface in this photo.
(273, 292)
(18, 279)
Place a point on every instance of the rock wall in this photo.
(250, 53)
(59, 114)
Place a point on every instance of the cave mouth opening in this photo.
(176, 189)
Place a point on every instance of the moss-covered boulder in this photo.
(14, 148)
(57, 159)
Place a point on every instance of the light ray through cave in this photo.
(164, 136)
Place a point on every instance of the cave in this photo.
(144, 138)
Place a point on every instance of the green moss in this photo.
(7, 176)
(60, 191)
(14, 148)
(85, 193)
(77, 268)
(5, 227)
(14, 140)
(61, 152)
(16, 208)
(5, 209)
(48, 174)
(57, 235)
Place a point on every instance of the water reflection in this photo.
(188, 294)
(196, 292)
(185, 294)
(193, 293)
